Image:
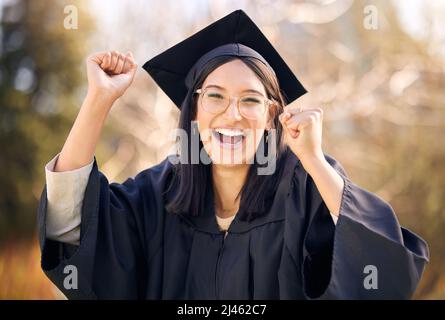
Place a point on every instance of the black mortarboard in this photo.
(175, 69)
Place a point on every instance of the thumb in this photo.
(285, 116)
(130, 66)
(130, 74)
(132, 63)
(133, 70)
(97, 58)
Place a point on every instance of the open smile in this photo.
(229, 138)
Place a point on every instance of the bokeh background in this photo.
(376, 67)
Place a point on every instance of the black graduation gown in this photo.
(132, 248)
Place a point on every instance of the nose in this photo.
(232, 111)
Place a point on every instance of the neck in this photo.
(227, 184)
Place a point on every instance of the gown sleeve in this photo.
(110, 259)
(64, 194)
(367, 255)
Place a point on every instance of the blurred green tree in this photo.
(41, 84)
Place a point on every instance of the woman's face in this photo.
(229, 137)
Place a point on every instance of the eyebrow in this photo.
(222, 88)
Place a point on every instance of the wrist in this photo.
(312, 162)
(97, 101)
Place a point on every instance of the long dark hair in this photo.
(194, 181)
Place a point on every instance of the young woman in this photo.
(220, 229)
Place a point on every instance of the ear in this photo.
(270, 118)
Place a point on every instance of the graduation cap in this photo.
(175, 69)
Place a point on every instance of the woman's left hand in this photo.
(303, 131)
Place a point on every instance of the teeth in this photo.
(230, 132)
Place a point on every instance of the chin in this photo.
(230, 156)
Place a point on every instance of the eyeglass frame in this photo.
(267, 101)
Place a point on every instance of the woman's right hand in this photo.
(110, 74)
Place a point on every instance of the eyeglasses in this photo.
(251, 105)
